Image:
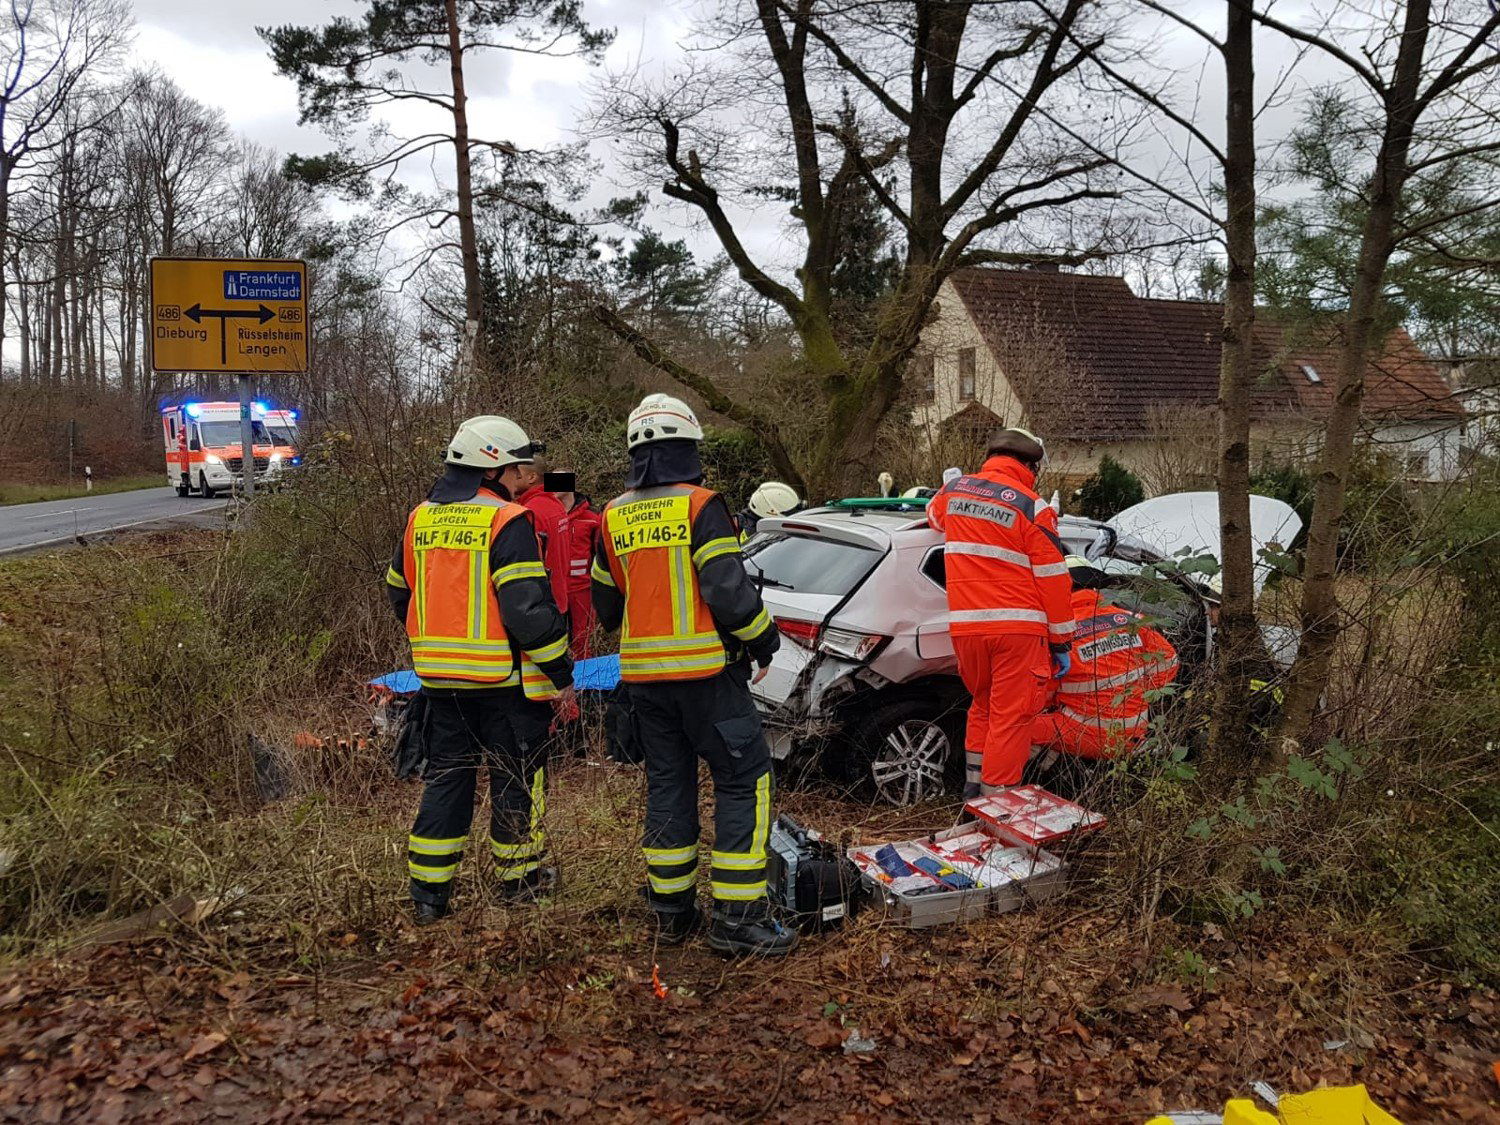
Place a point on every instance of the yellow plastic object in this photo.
(1338, 1105)
(1242, 1111)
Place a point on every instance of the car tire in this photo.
(908, 751)
(206, 492)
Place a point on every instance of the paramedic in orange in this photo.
(669, 575)
(1099, 707)
(1008, 599)
(490, 648)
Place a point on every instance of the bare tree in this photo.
(1428, 82)
(943, 111)
(47, 50)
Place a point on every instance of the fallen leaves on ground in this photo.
(1081, 1032)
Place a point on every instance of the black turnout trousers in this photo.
(500, 729)
(677, 723)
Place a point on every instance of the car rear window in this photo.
(807, 565)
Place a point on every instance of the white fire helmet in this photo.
(774, 499)
(489, 442)
(660, 418)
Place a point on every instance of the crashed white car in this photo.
(865, 685)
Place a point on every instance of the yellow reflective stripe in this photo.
(738, 892)
(455, 644)
(669, 644)
(671, 855)
(465, 685)
(672, 886)
(419, 592)
(601, 573)
(671, 664)
(713, 549)
(517, 870)
(762, 814)
(393, 577)
(526, 849)
(538, 808)
(423, 845)
(536, 683)
(431, 874)
(457, 664)
(758, 625)
(478, 567)
(739, 861)
(549, 652)
(514, 572)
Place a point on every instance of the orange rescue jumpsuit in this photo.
(1099, 708)
(1008, 602)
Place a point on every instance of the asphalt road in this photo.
(25, 527)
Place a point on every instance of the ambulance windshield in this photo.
(218, 434)
(284, 435)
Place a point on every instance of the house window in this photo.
(1312, 373)
(966, 375)
(925, 370)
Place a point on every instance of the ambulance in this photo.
(204, 451)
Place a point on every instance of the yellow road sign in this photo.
(242, 315)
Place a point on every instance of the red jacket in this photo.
(1117, 658)
(1005, 566)
(584, 522)
(557, 544)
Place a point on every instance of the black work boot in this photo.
(530, 887)
(426, 913)
(754, 936)
(673, 927)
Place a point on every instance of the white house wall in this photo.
(950, 331)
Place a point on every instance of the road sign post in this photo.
(239, 316)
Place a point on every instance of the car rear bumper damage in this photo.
(816, 709)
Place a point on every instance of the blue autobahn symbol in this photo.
(263, 285)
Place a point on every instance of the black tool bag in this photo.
(808, 880)
(409, 752)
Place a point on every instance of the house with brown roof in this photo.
(1095, 369)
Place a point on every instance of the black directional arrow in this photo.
(197, 313)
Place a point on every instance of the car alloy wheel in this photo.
(908, 766)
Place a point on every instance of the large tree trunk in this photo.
(4, 247)
(1237, 640)
(467, 239)
(1319, 613)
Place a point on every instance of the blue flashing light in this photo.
(258, 407)
(194, 409)
(292, 414)
(296, 460)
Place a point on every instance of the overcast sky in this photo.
(210, 47)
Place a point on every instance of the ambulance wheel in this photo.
(908, 751)
(203, 489)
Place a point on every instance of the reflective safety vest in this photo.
(668, 632)
(458, 637)
(1116, 659)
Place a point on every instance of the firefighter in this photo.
(490, 649)
(771, 499)
(1099, 707)
(669, 575)
(551, 525)
(1008, 602)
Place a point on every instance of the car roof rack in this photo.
(881, 503)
